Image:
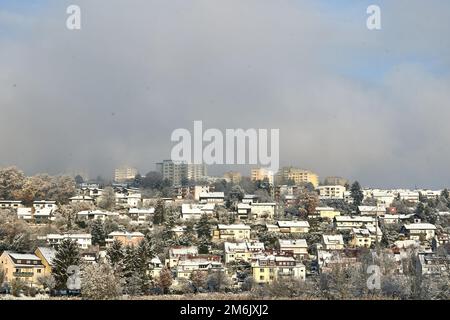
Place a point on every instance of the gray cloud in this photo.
(367, 105)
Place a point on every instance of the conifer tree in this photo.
(115, 253)
(98, 233)
(160, 214)
(67, 255)
(204, 227)
(356, 193)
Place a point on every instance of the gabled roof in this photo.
(47, 253)
(233, 226)
(301, 243)
(420, 226)
(290, 224)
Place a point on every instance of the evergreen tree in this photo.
(188, 236)
(445, 194)
(137, 266)
(66, 255)
(98, 233)
(160, 214)
(115, 253)
(203, 227)
(356, 193)
(132, 279)
(420, 211)
(203, 247)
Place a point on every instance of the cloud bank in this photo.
(367, 105)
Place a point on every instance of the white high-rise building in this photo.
(175, 172)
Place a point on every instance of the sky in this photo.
(371, 106)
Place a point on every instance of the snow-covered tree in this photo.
(165, 280)
(11, 182)
(67, 255)
(99, 282)
(160, 212)
(108, 199)
(115, 253)
(98, 233)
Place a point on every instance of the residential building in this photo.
(125, 173)
(298, 248)
(289, 227)
(332, 242)
(242, 251)
(141, 215)
(95, 215)
(83, 240)
(372, 210)
(191, 192)
(266, 269)
(335, 181)
(212, 197)
(26, 267)
(408, 195)
(233, 177)
(360, 238)
(262, 174)
(330, 260)
(82, 199)
(205, 263)
(10, 204)
(126, 238)
(250, 198)
(326, 213)
(431, 264)
(234, 232)
(262, 210)
(350, 222)
(177, 172)
(45, 204)
(299, 176)
(46, 255)
(180, 252)
(194, 211)
(331, 192)
(244, 211)
(417, 231)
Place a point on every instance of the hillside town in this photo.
(178, 231)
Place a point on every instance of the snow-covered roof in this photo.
(125, 234)
(232, 247)
(333, 239)
(233, 226)
(301, 243)
(212, 195)
(354, 219)
(293, 224)
(142, 211)
(48, 253)
(23, 256)
(420, 226)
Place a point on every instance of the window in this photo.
(39, 270)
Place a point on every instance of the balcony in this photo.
(23, 274)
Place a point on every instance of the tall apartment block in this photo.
(175, 172)
(125, 173)
(297, 175)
